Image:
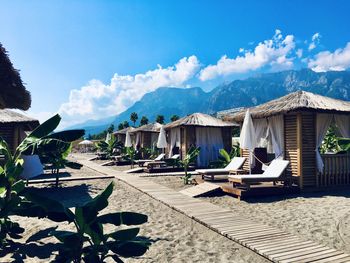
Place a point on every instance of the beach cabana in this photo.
(200, 130)
(121, 134)
(146, 136)
(293, 128)
(12, 91)
(14, 126)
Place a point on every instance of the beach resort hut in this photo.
(12, 91)
(14, 126)
(121, 134)
(146, 136)
(200, 130)
(293, 128)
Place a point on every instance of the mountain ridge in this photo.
(238, 93)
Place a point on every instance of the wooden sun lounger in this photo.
(273, 173)
(235, 164)
(160, 164)
(160, 157)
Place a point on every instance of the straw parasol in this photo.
(128, 140)
(13, 94)
(162, 143)
(248, 137)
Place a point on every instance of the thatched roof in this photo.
(296, 101)
(13, 94)
(9, 116)
(123, 131)
(198, 119)
(151, 127)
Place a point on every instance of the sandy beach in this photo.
(176, 237)
(324, 218)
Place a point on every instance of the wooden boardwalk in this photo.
(269, 242)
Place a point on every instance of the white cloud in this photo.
(315, 40)
(97, 100)
(338, 60)
(273, 52)
(299, 53)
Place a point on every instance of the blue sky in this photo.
(91, 59)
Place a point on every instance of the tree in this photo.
(126, 124)
(143, 121)
(174, 117)
(120, 126)
(110, 129)
(134, 117)
(160, 119)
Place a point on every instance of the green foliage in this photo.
(174, 117)
(134, 117)
(126, 124)
(110, 146)
(89, 242)
(131, 154)
(330, 142)
(143, 121)
(190, 158)
(225, 157)
(102, 135)
(120, 126)
(160, 119)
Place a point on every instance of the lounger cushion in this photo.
(274, 171)
(234, 165)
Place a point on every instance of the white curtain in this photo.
(210, 141)
(175, 136)
(276, 134)
(154, 139)
(322, 124)
(137, 140)
(343, 123)
(261, 132)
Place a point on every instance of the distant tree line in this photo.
(125, 124)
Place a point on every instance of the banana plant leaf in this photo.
(67, 136)
(123, 218)
(46, 127)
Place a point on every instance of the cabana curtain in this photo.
(175, 135)
(137, 140)
(261, 132)
(210, 141)
(343, 123)
(276, 132)
(154, 139)
(323, 121)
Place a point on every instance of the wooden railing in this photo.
(336, 170)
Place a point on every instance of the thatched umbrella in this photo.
(13, 94)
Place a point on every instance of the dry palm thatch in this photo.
(13, 94)
(151, 127)
(123, 131)
(198, 119)
(9, 116)
(296, 101)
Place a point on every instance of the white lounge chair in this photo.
(235, 164)
(159, 158)
(273, 173)
(151, 165)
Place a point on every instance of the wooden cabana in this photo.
(121, 134)
(146, 136)
(12, 91)
(293, 127)
(14, 126)
(200, 130)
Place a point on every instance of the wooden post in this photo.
(300, 149)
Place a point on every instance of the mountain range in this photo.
(238, 93)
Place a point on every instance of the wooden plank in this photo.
(296, 251)
(314, 256)
(342, 258)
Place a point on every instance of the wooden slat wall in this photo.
(290, 144)
(7, 133)
(245, 153)
(336, 170)
(308, 149)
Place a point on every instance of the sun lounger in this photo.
(160, 157)
(235, 164)
(152, 165)
(273, 173)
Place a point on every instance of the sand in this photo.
(324, 218)
(176, 237)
